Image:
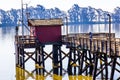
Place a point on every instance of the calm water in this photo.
(7, 49)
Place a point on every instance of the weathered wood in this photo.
(80, 39)
(96, 44)
(97, 38)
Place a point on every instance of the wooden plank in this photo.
(97, 39)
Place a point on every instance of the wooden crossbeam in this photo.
(30, 55)
(48, 55)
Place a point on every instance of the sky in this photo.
(106, 5)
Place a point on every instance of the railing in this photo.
(25, 39)
(98, 42)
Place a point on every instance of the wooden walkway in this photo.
(86, 51)
(98, 42)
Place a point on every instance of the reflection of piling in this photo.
(86, 57)
(57, 61)
(100, 58)
(39, 62)
(114, 62)
(74, 58)
(20, 63)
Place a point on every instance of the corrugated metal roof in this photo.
(39, 22)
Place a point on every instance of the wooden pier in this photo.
(89, 55)
(95, 52)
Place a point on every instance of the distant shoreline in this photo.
(69, 23)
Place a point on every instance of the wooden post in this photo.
(109, 34)
(57, 60)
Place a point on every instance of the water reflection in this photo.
(25, 75)
(7, 57)
(95, 28)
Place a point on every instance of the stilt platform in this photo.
(87, 56)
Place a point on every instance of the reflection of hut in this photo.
(46, 30)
